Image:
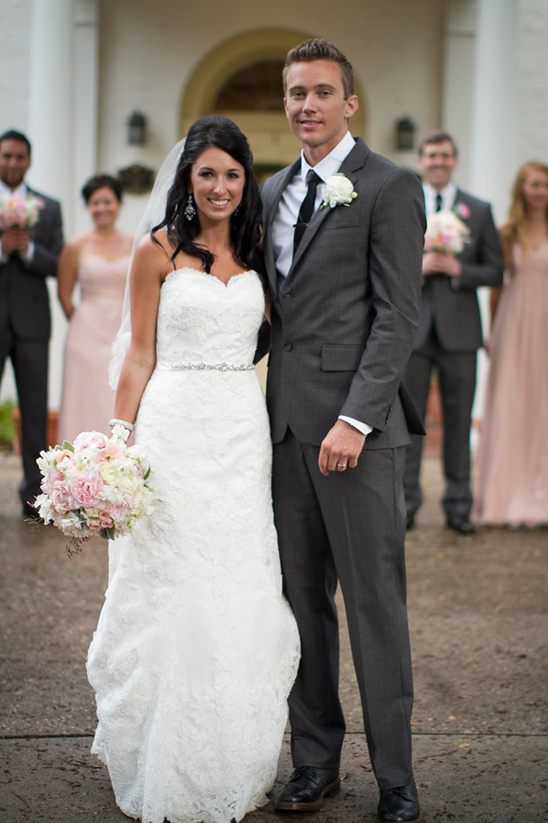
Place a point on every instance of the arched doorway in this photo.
(241, 79)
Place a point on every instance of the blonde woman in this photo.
(512, 488)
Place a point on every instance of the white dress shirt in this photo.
(448, 197)
(283, 227)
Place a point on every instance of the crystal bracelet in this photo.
(116, 422)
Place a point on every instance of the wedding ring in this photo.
(341, 465)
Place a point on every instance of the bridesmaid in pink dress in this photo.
(512, 488)
(96, 261)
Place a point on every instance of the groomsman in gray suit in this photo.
(449, 332)
(343, 243)
(27, 257)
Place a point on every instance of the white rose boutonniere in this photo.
(337, 191)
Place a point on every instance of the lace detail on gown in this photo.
(196, 649)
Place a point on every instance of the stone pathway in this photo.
(478, 614)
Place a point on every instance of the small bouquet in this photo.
(96, 486)
(19, 212)
(445, 232)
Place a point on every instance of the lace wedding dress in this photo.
(196, 650)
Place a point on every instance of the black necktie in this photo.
(307, 207)
(439, 202)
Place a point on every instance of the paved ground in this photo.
(478, 612)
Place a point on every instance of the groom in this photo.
(345, 285)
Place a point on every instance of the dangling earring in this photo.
(190, 211)
(236, 210)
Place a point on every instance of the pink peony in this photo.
(85, 440)
(86, 488)
(61, 498)
(53, 476)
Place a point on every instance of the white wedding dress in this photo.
(196, 649)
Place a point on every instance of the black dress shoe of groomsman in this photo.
(460, 524)
(307, 788)
(399, 804)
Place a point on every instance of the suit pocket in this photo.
(341, 358)
(342, 221)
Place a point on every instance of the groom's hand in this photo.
(340, 448)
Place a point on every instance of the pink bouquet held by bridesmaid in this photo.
(446, 233)
(96, 486)
(19, 212)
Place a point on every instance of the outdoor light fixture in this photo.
(136, 125)
(405, 134)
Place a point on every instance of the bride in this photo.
(196, 649)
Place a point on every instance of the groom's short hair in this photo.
(320, 50)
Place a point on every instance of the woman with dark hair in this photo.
(196, 649)
(96, 261)
(512, 487)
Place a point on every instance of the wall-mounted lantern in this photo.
(136, 125)
(405, 134)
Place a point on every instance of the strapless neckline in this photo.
(210, 276)
(104, 259)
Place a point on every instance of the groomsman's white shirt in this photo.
(448, 197)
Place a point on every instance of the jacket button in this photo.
(288, 346)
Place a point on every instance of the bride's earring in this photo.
(190, 211)
(236, 210)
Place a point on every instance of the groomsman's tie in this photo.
(439, 202)
(307, 207)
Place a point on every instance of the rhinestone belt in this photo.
(206, 366)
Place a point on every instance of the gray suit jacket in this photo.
(345, 318)
(24, 300)
(451, 304)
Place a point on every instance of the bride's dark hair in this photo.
(245, 222)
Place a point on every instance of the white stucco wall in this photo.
(532, 141)
(148, 57)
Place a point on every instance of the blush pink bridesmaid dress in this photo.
(512, 487)
(88, 401)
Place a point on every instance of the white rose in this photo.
(338, 191)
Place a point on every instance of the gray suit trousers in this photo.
(335, 528)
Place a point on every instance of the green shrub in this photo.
(7, 426)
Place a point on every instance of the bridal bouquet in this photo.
(96, 486)
(19, 212)
(445, 232)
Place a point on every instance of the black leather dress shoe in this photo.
(307, 788)
(399, 804)
(459, 524)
